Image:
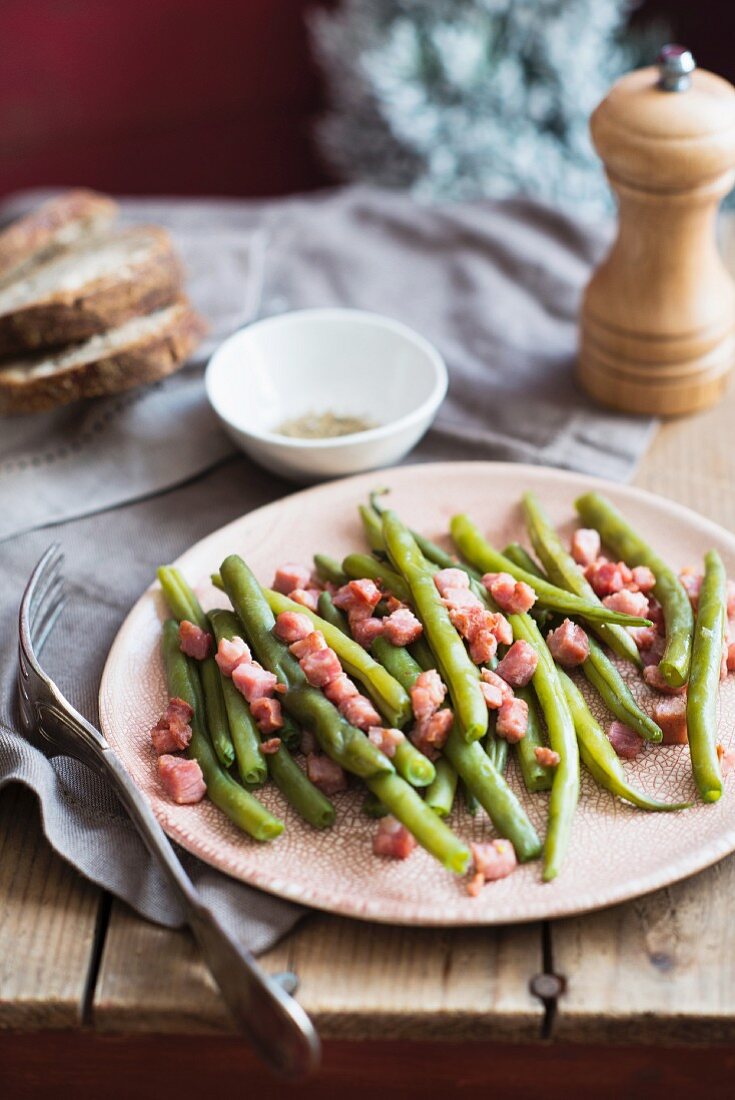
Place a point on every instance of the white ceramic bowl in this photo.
(343, 361)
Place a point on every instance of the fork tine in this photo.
(47, 572)
(46, 619)
(51, 594)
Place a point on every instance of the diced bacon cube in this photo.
(730, 599)
(394, 604)
(365, 631)
(393, 839)
(321, 668)
(653, 655)
(643, 636)
(731, 657)
(457, 598)
(656, 614)
(428, 693)
(193, 641)
(512, 720)
(494, 859)
(630, 603)
(644, 578)
(314, 642)
(386, 739)
(267, 714)
(253, 681)
(475, 885)
(181, 779)
(488, 676)
(670, 713)
(568, 644)
(624, 740)
(360, 712)
(692, 581)
(325, 774)
(546, 757)
(172, 732)
(605, 576)
(291, 576)
(271, 746)
(585, 545)
(402, 627)
(292, 626)
(511, 596)
(519, 664)
(726, 758)
(502, 629)
(451, 578)
(483, 647)
(232, 652)
(339, 690)
(654, 677)
(492, 695)
(429, 735)
(308, 743)
(307, 597)
(362, 594)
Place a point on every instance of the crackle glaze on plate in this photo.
(617, 852)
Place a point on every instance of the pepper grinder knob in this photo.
(657, 327)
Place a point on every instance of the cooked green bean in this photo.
(185, 605)
(497, 750)
(373, 807)
(440, 795)
(329, 570)
(704, 678)
(357, 566)
(416, 768)
(421, 821)
(563, 740)
(471, 803)
(373, 528)
(595, 511)
(332, 614)
(520, 556)
(562, 570)
(238, 804)
(251, 764)
(600, 758)
(306, 704)
(458, 672)
(483, 557)
(387, 694)
(536, 777)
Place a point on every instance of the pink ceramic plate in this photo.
(617, 852)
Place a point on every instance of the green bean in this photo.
(458, 672)
(520, 556)
(595, 511)
(704, 678)
(296, 787)
(328, 570)
(440, 795)
(599, 756)
(483, 557)
(362, 565)
(373, 528)
(238, 804)
(420, 650)
(536, 777)
(251, 764)
(497, 750)
(562, 570)
(415, 768)
(332, 614)
(185, 605)
(389, 697)
(421, 821)
(217, 581)
(471, 803)
(306, 704)
(373, 807)
(563, 740)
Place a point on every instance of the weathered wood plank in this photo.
(357, 980)
(47, 924)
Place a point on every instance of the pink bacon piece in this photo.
(585, 545)
(292, 626)
(386, 739)
(193, 641)
(568, 644)
(624, 740)
(630, 603)
(253, 681)
(360, 712)
(726, 758)
(448, 579)
(644, 579)
(267, 714)
(731, 657)
(392, 839)
(360, 596)
(546, 757)
(429, 735)
(307, 597)
(670, 713)
(607, 577)
(654, 677)
(339, 690)
(494, 859)
(321, 667)
(519, 664)
(512, 596)
(172, 731)
(181, 779)
(512, 720)
(271, 746)
(291, 576)
(490, 677)
(427, 694)
(325, 774)
(232, 652)
(314, 642)
(402, 627)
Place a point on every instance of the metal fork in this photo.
(260, 1004)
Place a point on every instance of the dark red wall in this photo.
(194, 96)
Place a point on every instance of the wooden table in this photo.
(647, 1006)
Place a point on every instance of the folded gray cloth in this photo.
(495, 285)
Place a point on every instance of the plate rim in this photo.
(671, 873)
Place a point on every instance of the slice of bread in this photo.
(95, 286)
(56, 224)
(141, 350)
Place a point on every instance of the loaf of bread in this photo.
(142, 349)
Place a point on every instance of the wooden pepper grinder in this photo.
(658, 317)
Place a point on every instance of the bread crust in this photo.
(103, 303)
(149, 359)
(37, 234)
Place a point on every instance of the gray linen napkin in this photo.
(495, 285)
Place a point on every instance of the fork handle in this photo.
(276, 1024)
